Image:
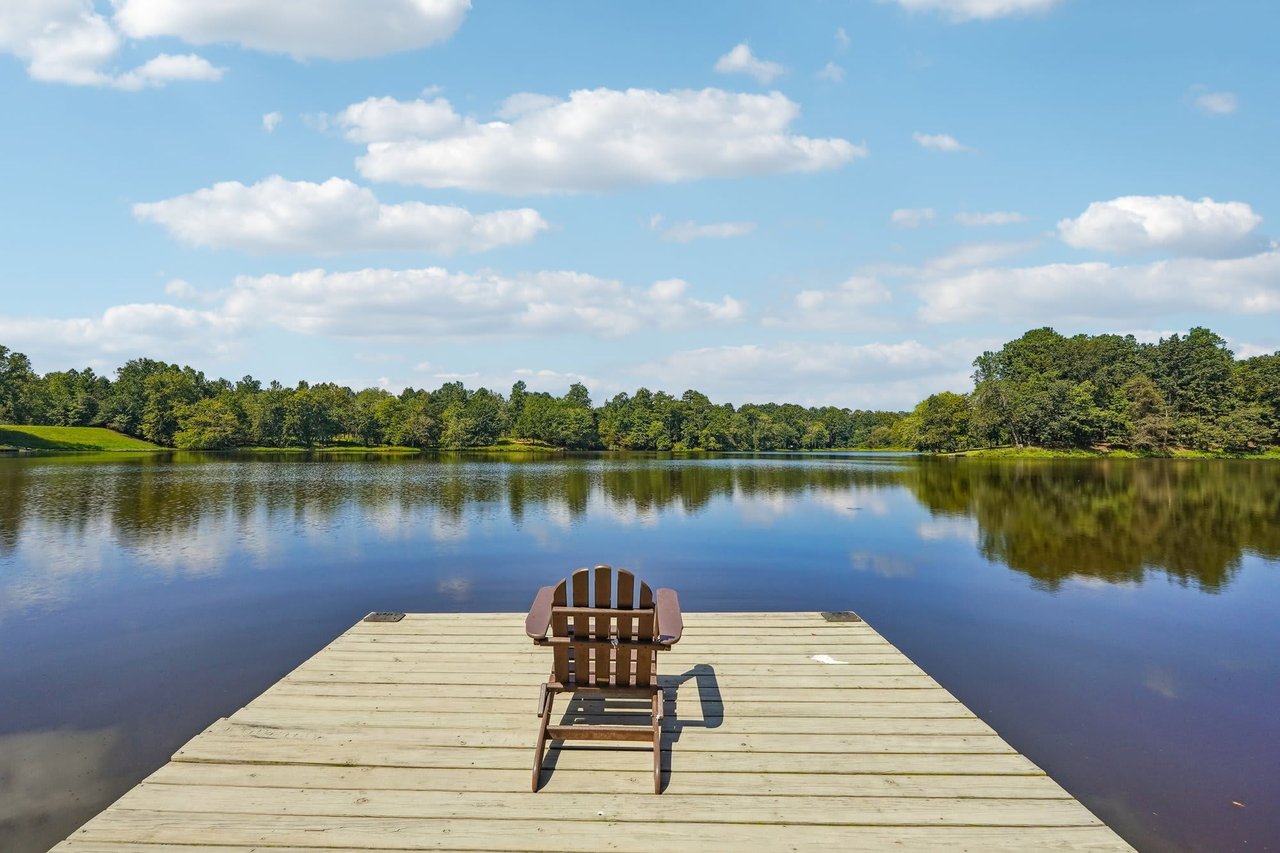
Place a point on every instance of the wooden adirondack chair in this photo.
(604, 641)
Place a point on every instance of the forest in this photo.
(1040, 390)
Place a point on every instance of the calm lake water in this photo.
(1116, 621)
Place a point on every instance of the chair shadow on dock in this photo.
(597, 710)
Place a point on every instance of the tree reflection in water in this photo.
(1112, 520)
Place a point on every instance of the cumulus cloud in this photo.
(831, 72)
(598, 139)
(687, 231)
(167, 68)
(893, 375)
(939, 142)
(278, 215)
(1214, 103)
(911, 217)
(740, 60)
(995, 217)
(123, 330)
(270, 121)
(842, 38)
(385, 303)
(68, 41)
(389, 120)
(328, 29)
(1101, 291)
(1137, 224)
(849, 304)
(974, 10)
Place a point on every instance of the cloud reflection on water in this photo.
(64, 524)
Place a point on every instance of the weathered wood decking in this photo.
(783, 732)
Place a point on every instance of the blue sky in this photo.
(826, 202)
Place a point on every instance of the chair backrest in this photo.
(594, 610)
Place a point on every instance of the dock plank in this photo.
(782, 731)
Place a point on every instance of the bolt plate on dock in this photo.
(384, 616)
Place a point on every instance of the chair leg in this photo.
(659, 703)
(545, 699)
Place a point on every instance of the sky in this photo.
(829, 202)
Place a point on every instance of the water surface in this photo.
(1116, 621)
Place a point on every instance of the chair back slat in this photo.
(603, 627)
(645, 631)
(625, 658)
(560, 628)
(588, 659)
(581, 580)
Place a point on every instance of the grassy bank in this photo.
(56, 438)
(1080, 453)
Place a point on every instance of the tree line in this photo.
(1042, 389)
(178, 406)
(1105, 391)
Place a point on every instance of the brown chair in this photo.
(604, 640)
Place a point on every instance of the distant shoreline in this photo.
(48, 441)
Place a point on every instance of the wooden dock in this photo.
(783, 732)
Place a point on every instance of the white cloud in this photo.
(68, 41)
(894, 375)
(1214, 103)
(1245, 349)
(969, 255)
(846, 305)
(1136, 224)
(329, 29)
(389, 120)
(514, 106)
(1100, 291)
(740, 60)
(270, 121)
(181, 289)
(433, 302)
(831, 72)
(842, 38)
(684, 232)
(138, 329)
(277, 215)
(939, 142)
(599, 139)
(167, 68)
(995, 217)
(911, 217)
(971, 10)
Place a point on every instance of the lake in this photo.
(1117, 621)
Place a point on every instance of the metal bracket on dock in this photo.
(840, 616)
(383, 616)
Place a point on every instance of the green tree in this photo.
(17, 380)
(1195, 376)
(164, 393)
(213, 423)
(940, 422)
(414, 424)
(1150, 417)
(128, 398)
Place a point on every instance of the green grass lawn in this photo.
(70, 438)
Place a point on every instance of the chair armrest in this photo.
(670, 622)
(539, 618)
